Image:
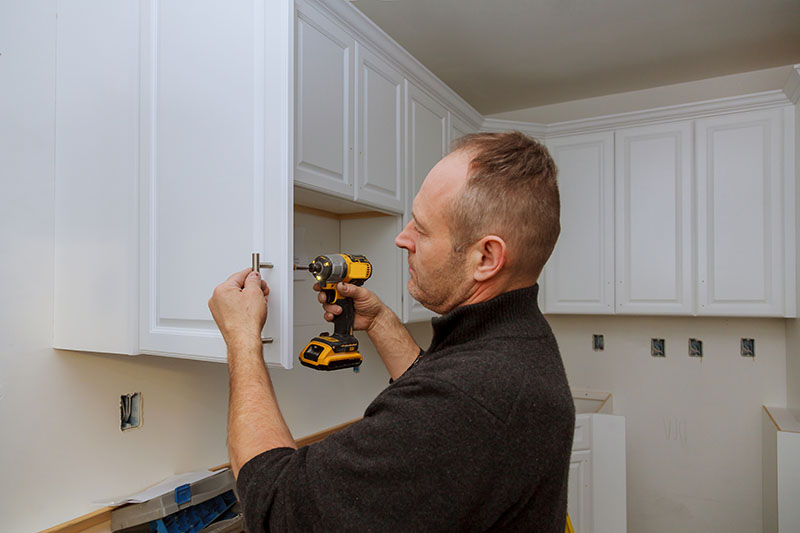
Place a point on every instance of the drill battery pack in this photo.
(331, 352)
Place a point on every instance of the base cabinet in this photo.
(596, 494)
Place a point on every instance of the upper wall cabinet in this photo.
(324, 118)
(580, 273)
(743, 213)
(172, 168)
(654, 219)
(428, 132)
(380, 168)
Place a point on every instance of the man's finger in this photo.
(238, 278)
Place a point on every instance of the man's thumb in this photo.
(252, 281)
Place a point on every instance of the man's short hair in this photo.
(511, 192)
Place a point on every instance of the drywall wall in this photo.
(681, 93)
(693, 426)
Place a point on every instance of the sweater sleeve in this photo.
(422, 458)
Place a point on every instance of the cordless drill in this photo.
(332, 351)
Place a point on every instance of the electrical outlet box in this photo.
(598, 344)
(658, 348)
(695, 348)
(748, 348)
(130, 411)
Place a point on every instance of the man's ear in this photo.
(488, 257)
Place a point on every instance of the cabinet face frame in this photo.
(391, 194)
(316, 174)
(597, 231)
(270, 186)
(417, 102)
(774, 212)
(632, 287)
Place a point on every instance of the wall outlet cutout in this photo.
(748, 348)
(695, 348)
(130, 410)
(657, 348)
(598, 344)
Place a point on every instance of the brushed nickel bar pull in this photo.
(258, 265)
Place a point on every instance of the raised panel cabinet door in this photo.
(214, 167)
(427, 144)
(653, 189)
(740, 214)
(381, 112)
(580, 273)
(324, 103)
(579, 491)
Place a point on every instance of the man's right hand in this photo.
(367, 305)
(395, 345)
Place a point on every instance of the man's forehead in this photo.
(447, 177)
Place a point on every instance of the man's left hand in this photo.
(239, 307)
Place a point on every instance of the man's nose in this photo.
(403, 239)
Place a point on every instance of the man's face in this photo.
(438, 275)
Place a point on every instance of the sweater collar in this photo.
(514, 313)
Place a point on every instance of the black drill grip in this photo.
(343, 323)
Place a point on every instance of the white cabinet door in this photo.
(740, 213)
(207, 178)
(654, 219)
(381, 118)
(580, 273)
(206, 181)
(427, 144)
(579, 491)
(324, 103)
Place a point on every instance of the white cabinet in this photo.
(427, 144)
(653, 189)
(580, 273)
(324, 122)
(596, 492)
(741, 209)
(170, 172)
(579, 496)
(381, 135)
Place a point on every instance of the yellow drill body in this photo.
(332, 351)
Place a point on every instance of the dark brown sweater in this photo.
(475, 437)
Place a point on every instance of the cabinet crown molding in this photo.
(706, 108)
(365, 30)
(792, 87)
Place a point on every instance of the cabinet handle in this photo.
(257, 266)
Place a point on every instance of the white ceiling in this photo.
(502, 55)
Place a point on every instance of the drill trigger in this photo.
(330, 295)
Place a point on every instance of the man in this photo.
(474, 434)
